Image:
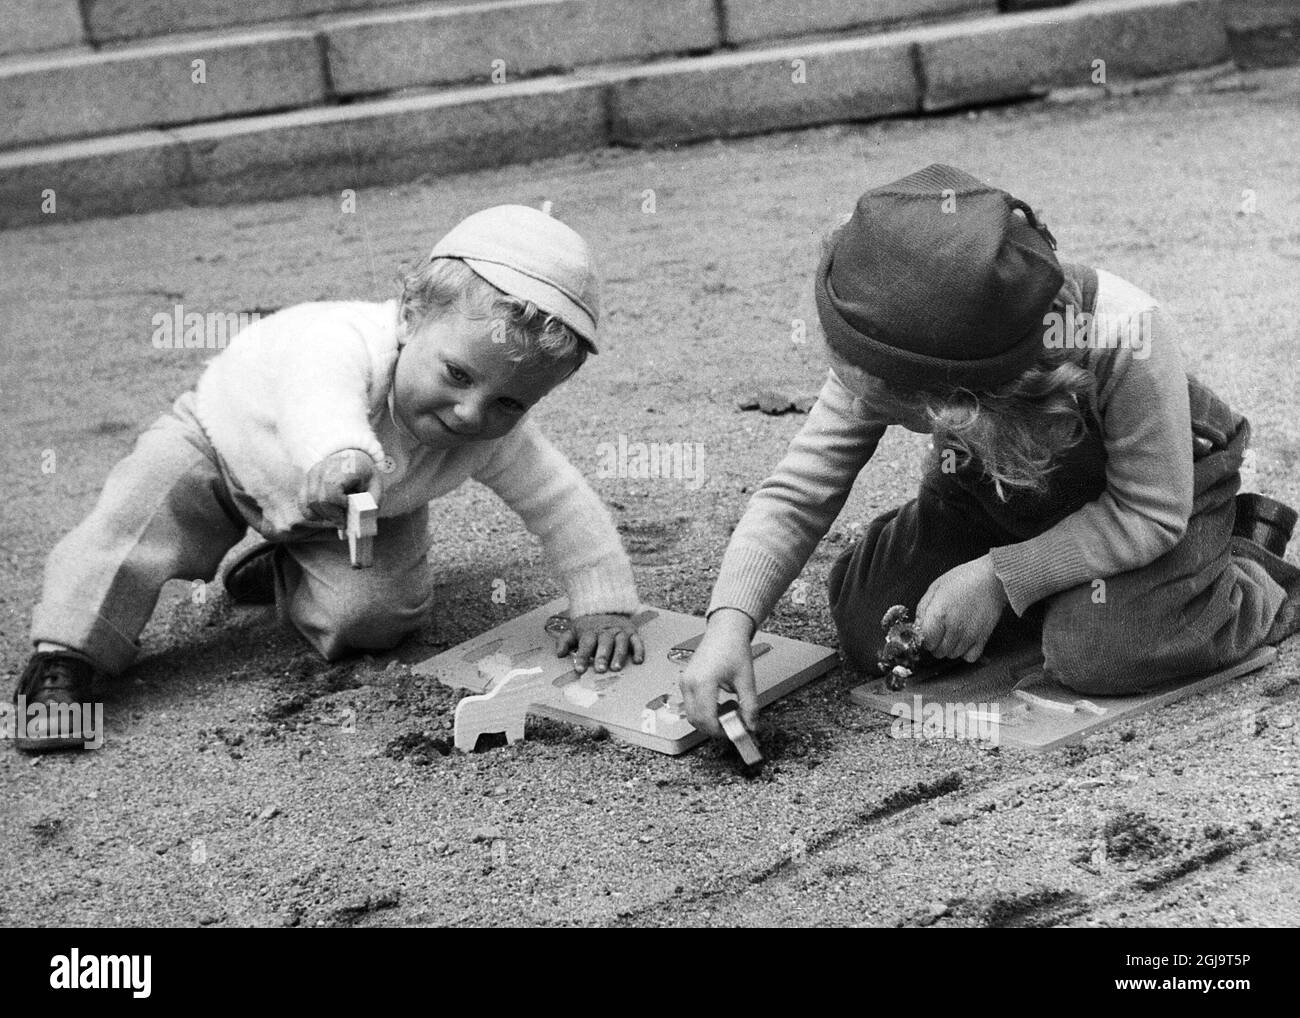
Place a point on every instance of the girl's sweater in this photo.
(1145, 416)
(316, 379)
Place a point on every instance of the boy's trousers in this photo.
(170, 510)
(1203, 605)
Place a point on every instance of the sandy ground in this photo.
(229, 793)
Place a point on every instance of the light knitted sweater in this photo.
(1143, 512)
(315, 379)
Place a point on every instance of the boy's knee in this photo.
(365, 616)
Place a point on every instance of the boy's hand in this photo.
(723, 660)
(960, 610)
(323, 497)
(602, 641)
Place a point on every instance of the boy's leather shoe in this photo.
(54, 678)
(1265, 521)
(251, 579)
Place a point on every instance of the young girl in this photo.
(1081, 485)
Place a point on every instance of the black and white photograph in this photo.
(650, 464)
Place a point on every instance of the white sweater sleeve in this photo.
(556, 504)
(323, 406)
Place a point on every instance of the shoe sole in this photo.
(236, 566)
(50, 745)
(29, 743)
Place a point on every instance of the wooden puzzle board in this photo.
(642, 703)
(1034, 712)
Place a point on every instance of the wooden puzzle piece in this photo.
(742, 739)
(478, 653)
(581, 696)
(1046, 702)
(663, 712)
(362, 526)
(492, 661)
(995, 715)
(1036, 690)
(559, 622)
(494, 666)
(587, 689)
(503, 708)
(684, 651)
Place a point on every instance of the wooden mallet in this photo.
(363, 525)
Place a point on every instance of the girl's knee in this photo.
(1118, 649)
(1085, 647)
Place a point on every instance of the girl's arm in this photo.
(794, 508)
(787, 516)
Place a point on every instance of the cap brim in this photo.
(544, 295)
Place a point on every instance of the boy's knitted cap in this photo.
(530, 255)
(935, 279)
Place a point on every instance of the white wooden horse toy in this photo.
(502, 708)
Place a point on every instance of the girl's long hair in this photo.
(1016, 433)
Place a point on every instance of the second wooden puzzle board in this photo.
(1034, 712)
(642, 703)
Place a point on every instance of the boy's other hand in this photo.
(723, 660)
(602, 641)
(960, 610)
(323, 498)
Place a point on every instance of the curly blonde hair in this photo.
(1015, 433)
(531, 335)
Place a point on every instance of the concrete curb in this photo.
(390, 140)
(461, 45)
(108, 21)
(64, 97)
(118, 175)
(1264, 33)
(1026, 55)
(746, 93)
(999, 57)
(32, 26)
(756, 21)
(121, 20)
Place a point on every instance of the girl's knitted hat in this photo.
(936, 279)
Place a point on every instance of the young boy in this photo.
(1083, 493)
(406, 400)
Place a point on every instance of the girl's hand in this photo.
(960, 610)
(723, 660)
(323, 497)
(603, 641)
